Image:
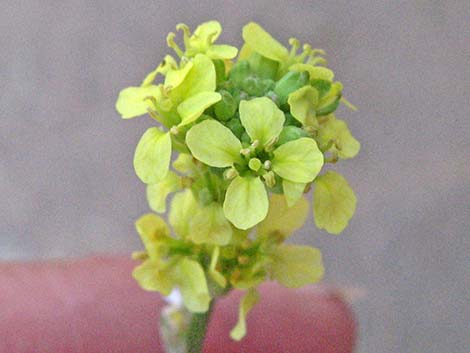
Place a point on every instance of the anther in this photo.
(245, 151)
(174, 130)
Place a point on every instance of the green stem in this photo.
(197, 331)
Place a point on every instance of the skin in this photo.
(93, 305)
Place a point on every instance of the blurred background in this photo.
(68, 189)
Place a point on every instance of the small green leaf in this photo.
(246, 304)
(294, 266)
(213, 144)
(191, 280)
(334, 202)
(209, 225)
(152, 156)
(292, 191)
(282, 218)
(132, 101)
(262, 119)
(158, 193)
(193, 107)
(246, 202)
(299, 160)
(263, 43)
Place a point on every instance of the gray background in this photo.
(67, 185)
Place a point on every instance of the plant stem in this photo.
(197, 330)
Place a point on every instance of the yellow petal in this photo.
(158, 193)
(334, 202)
(192, 283)
(263, 43)
(294, 266)
(152, 156)
(283, 219)
(132, 101)
(209, 225)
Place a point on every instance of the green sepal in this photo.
(291, 133)
(289, 83)
(225, 109)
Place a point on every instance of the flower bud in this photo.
(291, 133)
(289, 83)
(236, 127)
(226, 107)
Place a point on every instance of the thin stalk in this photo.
(197, 330)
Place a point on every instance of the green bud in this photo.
(252, 85)
(290, 133)
(291, 121)
(262, 66)
(245, 139)
(322, 86)
(239, 95)
(235, 126)
(270, 179)
(226, 107)
(289, 83)
(239, 72)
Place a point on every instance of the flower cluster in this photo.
(251, 132)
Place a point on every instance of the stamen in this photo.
(307, 49)
(267, 164)
(230, 173)
(295, 45)
(170, 40)
(245, 151)
(186, 33)
(317, 60)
